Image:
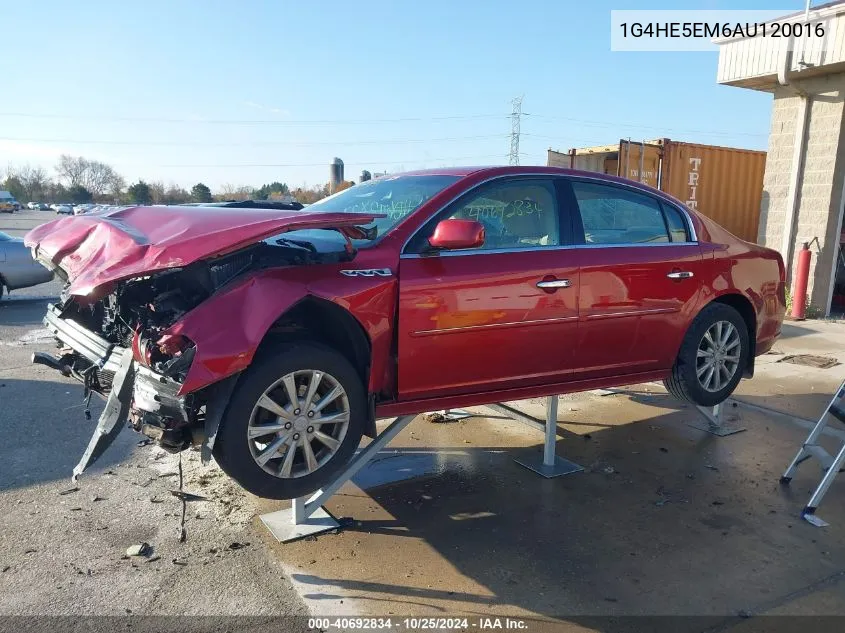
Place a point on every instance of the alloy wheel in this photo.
(298, 423)
(717, 359)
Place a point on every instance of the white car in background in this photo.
(32, 206)
(63, 209)
(79, 209)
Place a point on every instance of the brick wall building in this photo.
(804, 181)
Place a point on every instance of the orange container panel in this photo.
(723, 183)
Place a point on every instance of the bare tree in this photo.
(98, 176)
(116, 186)
(158, 192)
(229, 191)
(34, 180)
(72, 170)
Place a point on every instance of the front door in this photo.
(500, 316)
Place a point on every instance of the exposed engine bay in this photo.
(122, 338)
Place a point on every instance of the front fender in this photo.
(229, 326)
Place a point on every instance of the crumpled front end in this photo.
(134, 345)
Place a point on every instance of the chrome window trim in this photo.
(499, 251)
(683, 209)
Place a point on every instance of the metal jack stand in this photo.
(830, 465)
(308, 517)
(716, 423)
(549, 464)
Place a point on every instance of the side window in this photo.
(612, 215)
(520, 214)
(675, 222)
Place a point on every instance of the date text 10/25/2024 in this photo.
(417, 623)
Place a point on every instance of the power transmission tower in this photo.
(516, 117)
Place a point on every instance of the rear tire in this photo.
(712, 358)
(308, 442)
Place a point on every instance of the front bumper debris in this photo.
(113, 416)
(135, 395)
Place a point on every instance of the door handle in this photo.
(554, 283)
(681, 274)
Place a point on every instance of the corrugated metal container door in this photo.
(723, 183)
(557, 159)
(630, 155)
(591, 162)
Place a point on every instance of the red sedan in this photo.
(274, 339)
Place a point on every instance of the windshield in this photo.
(4, 237)
(396, 197)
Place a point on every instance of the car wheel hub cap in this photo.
(298, 423)
(718, 356)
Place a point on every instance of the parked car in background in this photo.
(63, 209)
(43, 206)
(276, 338)
(79, 209)
(33, 206)
(8, 204)
(17, 268)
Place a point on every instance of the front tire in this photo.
(712, 358)
(294, 421)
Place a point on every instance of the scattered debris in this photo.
(711, 467)
(76, 509)
(437, 418)
(718, 503)
(183, 533)
(142, 549)
(31, 550)
(609, 470)
(236, 546)
(69, 491)
(152, 559)
(187, 496)
(145, 442)
(181, 563)
(97, 498)
(5, 569)
(663, 449)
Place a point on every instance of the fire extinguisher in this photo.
(802, 278)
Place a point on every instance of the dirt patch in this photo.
(809, 360)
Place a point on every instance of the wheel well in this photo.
(325, 322)
(742, 305)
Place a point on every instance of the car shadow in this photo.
(665, 520)
(43, 432)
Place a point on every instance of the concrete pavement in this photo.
(666, 520)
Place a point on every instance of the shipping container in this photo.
(723, 183)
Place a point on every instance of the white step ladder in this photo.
(830, 465)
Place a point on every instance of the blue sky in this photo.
(384, 85)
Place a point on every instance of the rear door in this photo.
(500, 316)
(640, 279)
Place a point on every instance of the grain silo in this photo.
(335, 174)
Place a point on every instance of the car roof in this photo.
(493, 171)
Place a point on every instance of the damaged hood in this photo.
(94, 250)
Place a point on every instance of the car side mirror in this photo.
(456, 234)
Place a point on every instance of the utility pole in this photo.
(516, 117)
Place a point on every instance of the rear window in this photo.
(612, 215)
